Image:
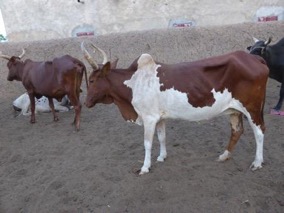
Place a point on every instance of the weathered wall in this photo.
(168, 45)
(28, 20)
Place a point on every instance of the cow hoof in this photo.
(256, 165)
(77, 127)
(143, 171)
(225, 156)
(56, 119)
(32, 121)
(161, 159)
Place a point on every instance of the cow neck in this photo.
(20, 70)
(121, 94)
(265, 56)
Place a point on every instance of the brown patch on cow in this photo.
(198, 96)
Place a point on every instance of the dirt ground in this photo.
(48, 167)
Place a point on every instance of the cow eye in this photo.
(91, 81)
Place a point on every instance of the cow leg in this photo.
(149, 130)
(77, 116)
(26, 108)
(279, 104)
(32, 100)
(51, 105)
(237, 130)
(77, 107)
(258, 131)
(161, 132)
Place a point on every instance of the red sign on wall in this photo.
(267, 18)
(85, 34)
(183, 24)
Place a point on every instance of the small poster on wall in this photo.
(181, 23)
(83, 30)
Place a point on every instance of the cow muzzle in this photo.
(9, 78)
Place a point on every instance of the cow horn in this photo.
(255, 39)
(268, 41)
(88, 57)
(23, 53)
(5, 56)
(102, 52)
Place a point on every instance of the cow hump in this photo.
(146, 60)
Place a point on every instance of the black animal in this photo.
(274, 57)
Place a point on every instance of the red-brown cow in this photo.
(147, 93)
(53, 79)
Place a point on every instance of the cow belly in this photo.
(174, 104)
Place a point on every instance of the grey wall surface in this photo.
(27, 20)
(165, 45)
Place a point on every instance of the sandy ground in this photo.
(48, 167)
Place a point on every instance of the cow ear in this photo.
(105, 69)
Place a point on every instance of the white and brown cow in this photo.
(147, 93)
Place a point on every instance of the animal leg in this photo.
(279, 104)
(149, 130)
(75, 101)
(51, 105)
(25, 108)
(32, 100)
(161, 132)
(237, 130)
(258, 131)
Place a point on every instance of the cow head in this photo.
(14, 65)
(259, 46)
(98, 91)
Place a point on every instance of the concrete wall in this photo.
(27, 20)
(166, 45)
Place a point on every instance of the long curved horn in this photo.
(5, 56)
(268, 41)
(23, 53)
(88, 57)
(102, 52)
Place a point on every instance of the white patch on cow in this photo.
(153, 105)
(41, 105)
(161, 132)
